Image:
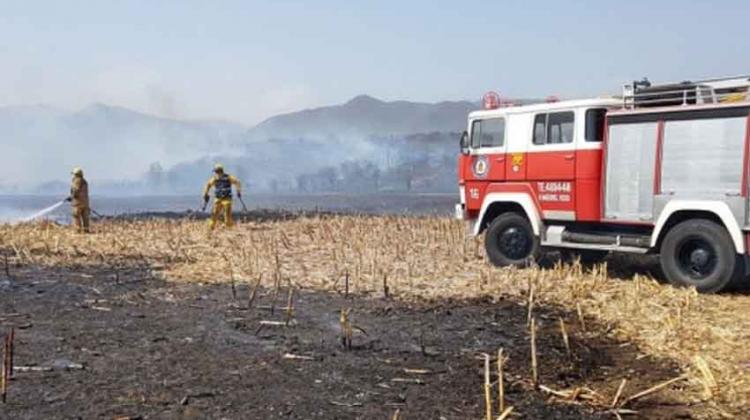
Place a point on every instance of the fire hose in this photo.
(244, 207)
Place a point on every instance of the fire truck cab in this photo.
(662, 169)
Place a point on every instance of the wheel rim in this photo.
(697, 258)
(514, 242)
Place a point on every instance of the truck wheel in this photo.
(510, 241)
(700, 253)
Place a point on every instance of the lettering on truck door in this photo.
(551, 163)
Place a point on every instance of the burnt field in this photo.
(157, 319)
(157, 350)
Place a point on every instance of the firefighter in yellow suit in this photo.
(222, 183)
(79, 200)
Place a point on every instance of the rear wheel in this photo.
(510, 241)
(700, 253)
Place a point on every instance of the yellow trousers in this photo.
(81, 219)
(222, 206)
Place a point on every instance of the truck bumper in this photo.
(459, 211)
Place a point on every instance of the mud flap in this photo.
(745, 258)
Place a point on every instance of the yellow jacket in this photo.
(212, 181)
(79, 192)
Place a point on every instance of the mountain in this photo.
(365, 116)
(319, 149)
(125, 151)
(41, 143)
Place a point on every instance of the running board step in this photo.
(558, 236)
(607, 239)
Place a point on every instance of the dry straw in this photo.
(418, 258)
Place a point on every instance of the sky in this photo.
(245, 61)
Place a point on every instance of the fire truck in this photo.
(662, 169)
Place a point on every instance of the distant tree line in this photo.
(419, 162)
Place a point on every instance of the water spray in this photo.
(43, 212)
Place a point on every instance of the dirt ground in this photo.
(158, 350)
(145, 306)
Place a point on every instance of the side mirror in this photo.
(464, 143)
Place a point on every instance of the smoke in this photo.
(163, 102)
(124, 152)
(41, 145)
(11, 215)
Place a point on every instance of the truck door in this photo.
(551, 163)
(487, 158)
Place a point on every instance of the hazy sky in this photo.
(247, 60)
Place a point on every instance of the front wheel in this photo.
(510, 241)
(700, 253)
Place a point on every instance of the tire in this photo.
(510, 241)
(700, 253)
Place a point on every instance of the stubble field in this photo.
(255, 315)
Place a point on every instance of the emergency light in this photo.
(491, 100)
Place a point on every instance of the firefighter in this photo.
(79, 200)
(222, 185)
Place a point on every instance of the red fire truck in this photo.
(661, 170)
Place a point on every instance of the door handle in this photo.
(500, 159)
(569, 157)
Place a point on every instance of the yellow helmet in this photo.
(77, 172)
(218, 167)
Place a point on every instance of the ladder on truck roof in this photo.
(643, 94)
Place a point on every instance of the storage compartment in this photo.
(631, 154)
